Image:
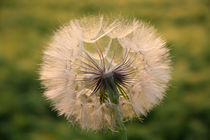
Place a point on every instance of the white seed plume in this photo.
(99, 72)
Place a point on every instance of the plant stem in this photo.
(124, 132)
(113, 94)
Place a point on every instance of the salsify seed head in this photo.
(98, 72)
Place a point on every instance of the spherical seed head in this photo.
(98, 71)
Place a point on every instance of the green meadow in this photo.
(26, 27)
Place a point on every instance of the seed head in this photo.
(99, 72)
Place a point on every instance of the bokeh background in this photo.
(26, 26)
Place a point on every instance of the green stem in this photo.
(119, 121)
(112, 90)
(113, 94)
(124, 132)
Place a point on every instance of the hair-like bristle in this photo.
(98, 71)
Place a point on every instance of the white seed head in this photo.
(90, 57)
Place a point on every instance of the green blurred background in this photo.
(26, 26)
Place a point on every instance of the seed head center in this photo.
(108, 82)
(106, 75)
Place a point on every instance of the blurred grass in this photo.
(27, 26)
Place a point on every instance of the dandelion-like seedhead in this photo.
(99, 72)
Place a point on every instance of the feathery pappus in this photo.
(99, 71)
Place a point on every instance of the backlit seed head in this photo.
(99, 72)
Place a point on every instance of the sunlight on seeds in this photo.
(100, 73)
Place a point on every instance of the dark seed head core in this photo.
(107, 75)
(105, 82)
